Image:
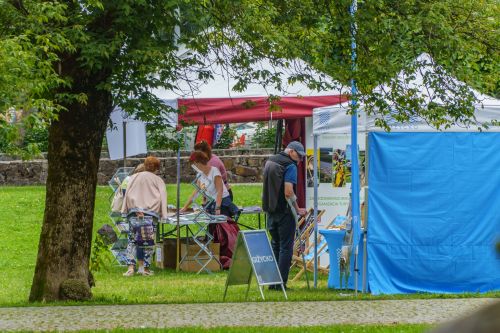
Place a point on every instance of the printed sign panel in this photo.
(262, 257)
(253, 253)
(241, 267)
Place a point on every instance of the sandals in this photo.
(130, 272)
(145, 272)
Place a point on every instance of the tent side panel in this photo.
(434, 212)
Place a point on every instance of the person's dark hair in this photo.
(151, 164)
(198, 157)
(204, 147)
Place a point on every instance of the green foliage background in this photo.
(48, 49)
(226, 139)
(264, 136)
(162, 139)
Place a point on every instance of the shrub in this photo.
(20, 139)
(162, 139)
(264, 136)
(37, 135)
(226, 138)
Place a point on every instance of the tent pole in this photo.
(315, 178)
(354, 145)
(365, 231)
(280, 135)
(279, 131)
(178, 245)
(124, 126)
(363, 281)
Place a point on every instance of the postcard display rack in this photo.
(200, 235)
(119, 248)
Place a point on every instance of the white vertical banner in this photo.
(333, 170)
(135, 131)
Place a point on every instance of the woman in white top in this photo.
(211, 180)
(215, 161)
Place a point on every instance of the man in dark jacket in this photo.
(280, 177)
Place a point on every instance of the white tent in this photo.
(336, 120)
(224, 80)
(127, 137)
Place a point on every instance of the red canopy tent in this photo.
(215, 102)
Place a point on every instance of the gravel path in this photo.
(236, 314)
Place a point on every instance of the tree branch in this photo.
(18, 4)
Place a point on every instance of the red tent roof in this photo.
(247, 109)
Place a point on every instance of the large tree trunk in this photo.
(75, 141)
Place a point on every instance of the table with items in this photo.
(197, 228)
(196, 225)
(254, 210)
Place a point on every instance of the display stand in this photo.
(304, 248)
(253, 255)
(119, 248)
(305, 228)
(118, 177)
(297, 235)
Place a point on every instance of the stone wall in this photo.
(23, 173)
(243, 166)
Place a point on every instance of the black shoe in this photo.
(277, 287)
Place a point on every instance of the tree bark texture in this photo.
(75, 141)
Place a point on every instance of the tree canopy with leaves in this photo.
(463, 38)
(68, 63)
(89, 57)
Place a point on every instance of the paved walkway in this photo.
(237, 314)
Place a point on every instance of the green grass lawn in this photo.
(21, 218)
(313, 329)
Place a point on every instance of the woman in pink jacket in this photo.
(144, 203)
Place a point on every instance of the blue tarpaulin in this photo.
(433, 212)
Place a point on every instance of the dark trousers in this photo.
(227, 208)
(282, 229)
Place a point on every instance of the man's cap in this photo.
(298, 147)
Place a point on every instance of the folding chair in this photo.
(305, 230)
(301, 240)
(322, 247)
(309, 259)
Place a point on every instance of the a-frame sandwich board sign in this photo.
(253, 256)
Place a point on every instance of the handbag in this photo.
(117, 202)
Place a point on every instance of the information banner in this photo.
(334, 169)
